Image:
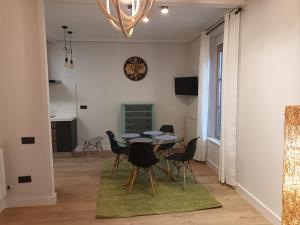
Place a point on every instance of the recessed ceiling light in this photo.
(145, 19)
(164, 9)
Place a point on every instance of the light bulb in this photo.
(164, 10)
(126, 2)
(145, 19)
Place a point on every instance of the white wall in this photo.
(102, 85)
(269, 80)
(24, 102)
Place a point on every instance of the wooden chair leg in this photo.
(114, 166)
(178, 170)
(133, 178)
(168, 165)
(151, 180)
(118, 162)
(189, 164)
(184, 173)
(153, 175)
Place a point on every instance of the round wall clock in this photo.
(135, 68)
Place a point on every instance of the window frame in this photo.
(218, 91)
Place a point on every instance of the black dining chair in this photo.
(141, 156)
(167, 128)
(166, 148)
(182, 160)
(120, 152)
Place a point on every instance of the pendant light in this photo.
(65, 47)
(70, 50)
(122, 20)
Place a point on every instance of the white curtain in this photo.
(229, 99)
(203, 97)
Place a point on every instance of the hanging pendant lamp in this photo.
(127, 13)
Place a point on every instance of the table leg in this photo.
(165, 171)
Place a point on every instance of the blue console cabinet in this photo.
(138, 117)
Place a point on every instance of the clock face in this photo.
(135, 68)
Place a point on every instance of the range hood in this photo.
(55, 82)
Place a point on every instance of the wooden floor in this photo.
(77, 183)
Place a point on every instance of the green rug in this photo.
(115, 202)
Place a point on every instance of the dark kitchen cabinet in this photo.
(64, 136)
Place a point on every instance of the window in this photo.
(218, 91)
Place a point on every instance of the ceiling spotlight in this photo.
(164, 9)
(145, 19)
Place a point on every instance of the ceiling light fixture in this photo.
(122, 21)
(164, 10)
(65, 47)
(145, 19)
(68, 51)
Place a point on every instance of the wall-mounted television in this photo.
(186, 86)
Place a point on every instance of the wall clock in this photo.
(135, 68)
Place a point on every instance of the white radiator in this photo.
(191, 128)
(2, 175)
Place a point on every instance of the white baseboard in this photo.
(261, 207)
(31, 201)
(2, 205)
(212, 166)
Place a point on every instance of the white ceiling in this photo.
(183, 23)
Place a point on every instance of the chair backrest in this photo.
(190, 149)
(141, 154)
(167, 128)
(113, 143)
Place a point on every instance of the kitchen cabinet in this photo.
(64, 135)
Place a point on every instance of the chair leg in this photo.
(114, 166)
(118, 162)
(184, 174)
(153, 175)
(151, 180)
(83, 149)
(133, 178)
(178, 170)
(166, 155)
(189, 164)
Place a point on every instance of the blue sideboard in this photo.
(137, 117)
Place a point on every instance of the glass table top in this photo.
(155, 138)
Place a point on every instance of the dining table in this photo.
(157, 139)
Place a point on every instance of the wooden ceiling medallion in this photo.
(128, 13)
(135, 68)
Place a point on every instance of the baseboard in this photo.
(261, 207)
(31, 201)
(212, 166)
(2, 205)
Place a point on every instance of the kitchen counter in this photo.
(63, 118)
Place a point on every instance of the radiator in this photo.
(191, 128)
(2, 175)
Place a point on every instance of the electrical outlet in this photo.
(24, 179)
(27, 140)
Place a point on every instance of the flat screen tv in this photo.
(186, 86)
